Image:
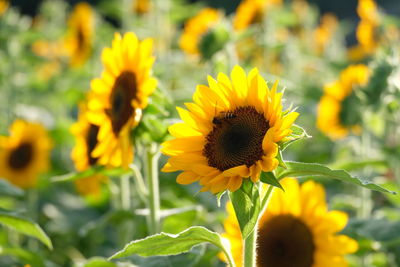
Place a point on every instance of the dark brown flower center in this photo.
(122, 94)
(81, 39)
(21, 156)
(285, 241)
(91, 142)
(236, 138)
(258, 17)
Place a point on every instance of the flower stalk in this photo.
(151, 162)
(249, 249)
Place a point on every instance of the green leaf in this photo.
(90, 172)
(24, 226)
(99, 262)
(299, 169)
(246, 203)
(169, 244)
(26, 256)
(7, 189)
(356, 165)
(269, 178)
(298, 133)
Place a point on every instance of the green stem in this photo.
(229, 257)
(152, 156)
(266, 197)
(249, 249)
(140, 186)
(125, 192)
(32, 208)
(250, 243)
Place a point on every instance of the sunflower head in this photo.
(324, 33)
(25, 153)
(3, 6)
(366, 34)
(141, 6)
(296, 229)
(368, 11)
(117, 98)
(79, 40)
(230, 133)
(198, 31)
(86, 140)
(251, 12)
(338, 112)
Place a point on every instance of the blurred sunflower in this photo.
(118, 97)
(196, 28)
(366, 31)
(141, 6)
(251, 12)
(324, 33)
(337, 109)
(79, 39)
(24, 154)
(3, 6)
(230, 132)
(296, 229)
(86, 139)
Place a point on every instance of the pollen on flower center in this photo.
(123, 92)
(236, 138)
(21, 156)
(285, 241)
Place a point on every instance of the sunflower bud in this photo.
(213, 41)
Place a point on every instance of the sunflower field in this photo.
(179, 133)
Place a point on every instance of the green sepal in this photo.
(297, 134)
(279, 157)
(269, 178)
(219, 196)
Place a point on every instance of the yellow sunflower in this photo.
(366, 31)
(296, 229)
(251, 12)
(24, 154)
(3, 6)
(86, 139)
(141, 6)
(229, 133)
(79, 40)
(119, 95)
(332, 115)
(324, 33)
(196, 27)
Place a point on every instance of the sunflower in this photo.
(230, 132)
(3, 6)
(79, 39)
(296, 229)
(196, 28)
(86, 139)
(118, 97)
(141, 6)
(251, 12)
(24, 154)
(335, 117)
(324, 33)
(366, 31)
